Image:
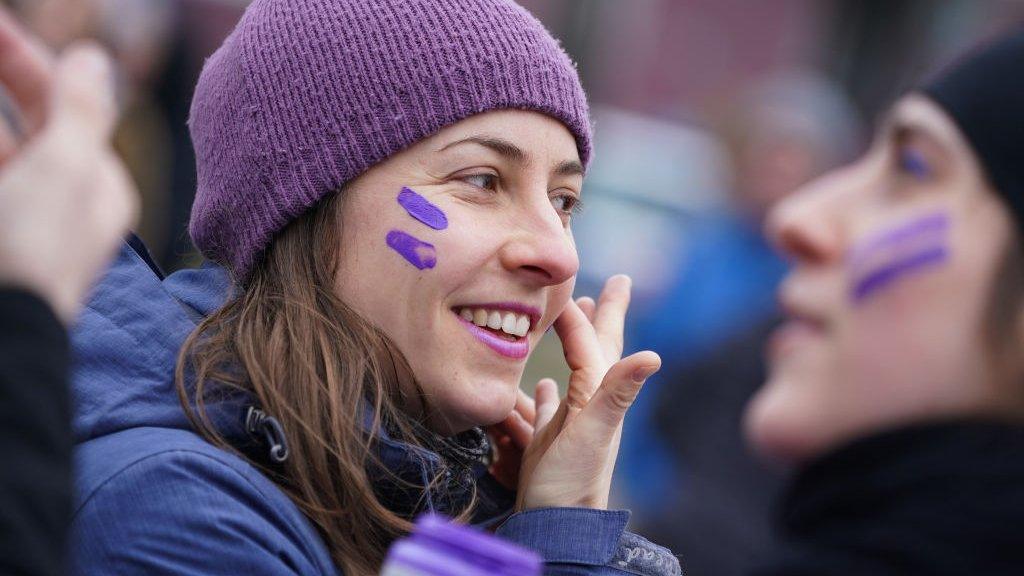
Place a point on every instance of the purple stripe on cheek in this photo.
(892, 271)
(415, 251)
(421, 209)
(933, 224)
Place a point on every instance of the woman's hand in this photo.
(511, 437)
(570, 460)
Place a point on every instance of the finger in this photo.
(496, 433)
(526, 407)
(120, 203)
(579, 342)
(506, 445)
(26, 71)
(610, 315)
(82, 104)
(601, 417)
(519, 430)
(547, 403)
(587, 304)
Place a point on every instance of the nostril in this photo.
(538, 270)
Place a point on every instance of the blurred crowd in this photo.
(707, 113)
(159, 47)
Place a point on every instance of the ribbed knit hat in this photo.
(984, 94)
(306, 95)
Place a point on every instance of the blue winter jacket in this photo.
(153, 498)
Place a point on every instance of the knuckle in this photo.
(620, 400)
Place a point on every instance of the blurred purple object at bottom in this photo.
(438, 547)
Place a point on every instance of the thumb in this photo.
(82, 102)
(602, 416)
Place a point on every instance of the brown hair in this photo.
(1002, 315)
(315, 365)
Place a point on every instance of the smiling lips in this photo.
(502, 327)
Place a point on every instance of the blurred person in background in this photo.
(138, 34)
(896, 384)
(687, 457)
(158, 48)
(65, 202)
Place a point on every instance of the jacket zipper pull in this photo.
(257, 422)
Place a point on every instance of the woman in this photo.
(387, 189)
(897, 381)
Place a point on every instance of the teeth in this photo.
(522, 326)
(480, 317)
(507, 322)
(494, 320)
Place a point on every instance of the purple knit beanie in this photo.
(306, 95)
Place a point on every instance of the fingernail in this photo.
(641, 374)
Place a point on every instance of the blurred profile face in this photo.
(459, 248)
(895, 257)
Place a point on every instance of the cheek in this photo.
(926, 323)
(913, 352)
(888, 259)
(558, 299)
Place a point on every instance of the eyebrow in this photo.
(516, 154)
(569, 168)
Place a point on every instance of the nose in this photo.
(539, 248)
(807, 226)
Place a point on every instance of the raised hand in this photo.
(65, 198)
(570, 460)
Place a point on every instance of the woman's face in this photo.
(895, 257)
(460, 249)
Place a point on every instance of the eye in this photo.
(485, 181)
(912, 162)
(567, 204)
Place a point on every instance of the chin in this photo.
(467, 405)
(779, 428)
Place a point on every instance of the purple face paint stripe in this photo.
(421, 209)
(890, 272)
(933, 223)
(415, 251)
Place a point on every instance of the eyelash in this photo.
(493, 179)
(575, 204)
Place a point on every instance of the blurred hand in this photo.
(65, 198)
(571, 456)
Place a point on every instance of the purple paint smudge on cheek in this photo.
(893, 271)
(422, 209)
(417, 252)
(931, 225)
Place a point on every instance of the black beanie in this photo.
(984, 94)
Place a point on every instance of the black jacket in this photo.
(35, 437)
(939, 500)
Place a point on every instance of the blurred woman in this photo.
(898, 382)
(386, 188)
